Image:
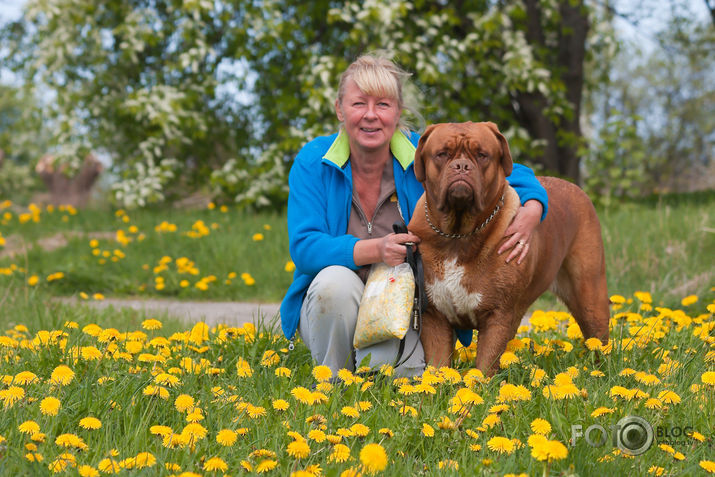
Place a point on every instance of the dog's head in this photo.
(462, 165)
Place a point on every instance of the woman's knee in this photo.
(336, 288)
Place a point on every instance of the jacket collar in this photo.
(400, 145)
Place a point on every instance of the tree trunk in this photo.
(562, 136)
(65, 190)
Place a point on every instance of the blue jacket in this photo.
(319, 203)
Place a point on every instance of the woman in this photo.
(346, 191)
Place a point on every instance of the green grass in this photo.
(662, 245)
(676, 347)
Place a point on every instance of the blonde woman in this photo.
(346, 191)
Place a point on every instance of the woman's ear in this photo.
(338, 111)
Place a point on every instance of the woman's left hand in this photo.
(520, 229)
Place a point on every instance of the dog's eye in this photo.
(482, 156)
(442, 155)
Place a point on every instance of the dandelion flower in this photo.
(360, 430)
(151, 324)
(270, 358)
(501, 445)
(708, 377)
(71, 440)
(283, 372)
(349, 411)
(257, 237)
(708, 466)
(427, 430)
(689, 300)
(184, 402)
(266, 465)
(317, 435)
(11, 395)
(546, 450)
(25, 377)
(322, 373)
(160, 430)
(669, 397)
(50, 406)
(289, 266)
(29, 427)
(280, 404)
(510, 392)
(373, 458)
(226, 437)
(386, 432)
(62, 375)
(90, 423)
(214, 464)
(540, 426)
(298, 449)
(87, 471)
(33, 280)
(507, 359)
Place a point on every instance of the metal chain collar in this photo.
(477, 229)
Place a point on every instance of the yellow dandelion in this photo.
(349, 411)
(669, 397)
(708, 466)
(427, 430)
(322, 373)
(25, 377)
(226, 437)
(266, 465)
(257, 237)
(62, 375)
(280, 404)
(510, 392)
(360, 430)
(50, 406)
(90, 423)
(593, 344)
(373, 458)
(546, 450)
(386, 432)
(316, 435)
(11, 395)
(184, 402)
(151, 324)
(29, 427)
(87, 471)
(298, 449)
(33, 280)
(289, 266)
(540, 426)
(689, 300)
(214, 464)
(270, 358)
(708, 377)
(283, 372)
(507, 359)
(501, 445)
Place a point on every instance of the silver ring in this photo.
(520, 243)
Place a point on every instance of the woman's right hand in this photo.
(392, 247)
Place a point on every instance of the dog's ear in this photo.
(506, 161)
(419, 164)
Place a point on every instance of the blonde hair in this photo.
(377, 75)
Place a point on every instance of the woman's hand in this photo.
(519, 231)
(392, 247)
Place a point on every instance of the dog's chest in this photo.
(450, 297)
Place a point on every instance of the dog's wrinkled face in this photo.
(453, 159)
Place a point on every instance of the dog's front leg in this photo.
(437, 339)
(492, 338)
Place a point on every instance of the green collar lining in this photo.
(400, 145)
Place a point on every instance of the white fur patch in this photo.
(450, 297)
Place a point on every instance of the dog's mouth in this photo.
(460, 194)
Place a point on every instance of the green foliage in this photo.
(17, 180)
(616, 162)
(235, 88)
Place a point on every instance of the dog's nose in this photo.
(461, 165)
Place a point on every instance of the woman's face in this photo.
(370, 121)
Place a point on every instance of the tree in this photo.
(174, 90)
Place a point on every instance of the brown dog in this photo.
(469, 205)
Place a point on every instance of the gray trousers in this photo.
(327, 325)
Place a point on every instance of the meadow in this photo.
(88, 392)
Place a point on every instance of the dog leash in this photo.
(414, 260)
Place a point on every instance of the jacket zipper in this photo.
(377, 207)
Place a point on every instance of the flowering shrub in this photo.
(144, 183)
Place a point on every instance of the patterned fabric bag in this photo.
(386, 305)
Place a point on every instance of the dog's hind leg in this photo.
(581, 285)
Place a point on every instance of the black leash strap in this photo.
(414, 259)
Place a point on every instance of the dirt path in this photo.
(212, 313)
